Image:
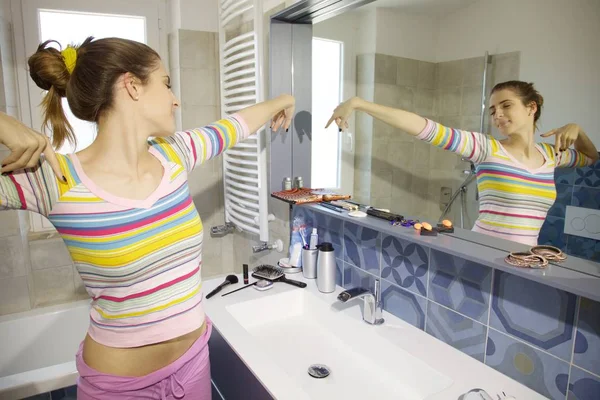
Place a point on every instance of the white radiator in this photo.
(242, 84)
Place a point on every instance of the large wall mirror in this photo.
(439, 59)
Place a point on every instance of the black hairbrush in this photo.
(274, 274)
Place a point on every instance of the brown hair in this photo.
(526, 92)
(89, 88)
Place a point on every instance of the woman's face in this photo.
(159, 103)
(509, 114)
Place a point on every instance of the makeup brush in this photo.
(231, 279)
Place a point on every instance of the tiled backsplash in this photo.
(575, 187)
(545, 338)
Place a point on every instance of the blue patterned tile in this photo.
(582, 385)
(356, 277)
(535, 313)
(458, 331)
(525, 364)
(330, 229)
(588, 176)
(461, 285)
(405, 264)
(583, 247)
(564, 176)
(403, 304)
(586, 197)
(564, 193)
(361, 247)
(587, 339)
(553, 233)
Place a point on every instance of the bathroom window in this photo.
(327, 78)
(70, 22)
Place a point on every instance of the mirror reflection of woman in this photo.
(515, 175)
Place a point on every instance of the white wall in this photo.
(558, 40)
(196, 15)
(406, 35)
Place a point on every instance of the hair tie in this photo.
(69, 54)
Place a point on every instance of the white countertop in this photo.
(465, 372)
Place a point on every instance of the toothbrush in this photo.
(304, 244)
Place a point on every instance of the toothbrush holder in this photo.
(309, 263)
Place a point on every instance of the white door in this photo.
(71, 22)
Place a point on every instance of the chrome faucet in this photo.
(372, 306)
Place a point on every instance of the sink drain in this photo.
(319, 371)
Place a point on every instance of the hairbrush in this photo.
(274, 274)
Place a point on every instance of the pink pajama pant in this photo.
(188, 378)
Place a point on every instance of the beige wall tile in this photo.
(442, 159)
(53, 285)
(426, 78)
(9, 221)
(421, 154)
(450, 74)
(197, 49)
(206, 187)
(471, 101)
(400, 154)
(49, 254)
(407, 72)
(198, 116)
(12, 257)
(424, 102)
(471, 124)
(385, 69)
(14, 295)
(394, 96)
(199, 87)
(420, 181)
(450, 99)
(382, 202)
(473, 75)
(381, 183)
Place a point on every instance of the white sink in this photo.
(296, 329)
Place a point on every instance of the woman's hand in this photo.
(25, 146)
(342, 113)
(285, 115)
(565, 137)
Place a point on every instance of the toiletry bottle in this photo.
(314, 239)
(326, 268)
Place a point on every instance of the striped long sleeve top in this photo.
(140, 260)
(513, 199)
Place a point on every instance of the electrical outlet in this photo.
(584, 222)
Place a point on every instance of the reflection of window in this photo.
(326, 96)
(73, 28)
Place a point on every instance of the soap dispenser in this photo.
(326, 268)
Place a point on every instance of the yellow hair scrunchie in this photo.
(70, 56)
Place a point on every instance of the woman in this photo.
(515, 176)
(124, 210)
